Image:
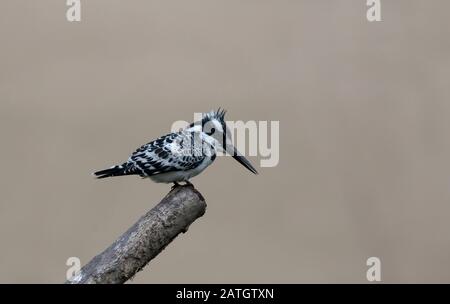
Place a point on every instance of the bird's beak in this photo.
(240, 158)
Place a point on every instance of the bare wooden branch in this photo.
(145, 239)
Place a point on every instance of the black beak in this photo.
(240, 158)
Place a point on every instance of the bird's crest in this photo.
(206, 117)
(219, 115)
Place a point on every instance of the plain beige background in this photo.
(364, 145)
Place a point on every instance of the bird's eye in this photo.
(211, 131)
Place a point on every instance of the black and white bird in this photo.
(179, 156)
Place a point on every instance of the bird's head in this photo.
(214, 126)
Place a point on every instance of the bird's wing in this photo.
(171, 152)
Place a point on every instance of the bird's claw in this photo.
(186, 183)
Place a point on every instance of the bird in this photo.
(179, 156)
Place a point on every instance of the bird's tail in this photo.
(113, 171)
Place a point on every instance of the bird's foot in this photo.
(186, 183)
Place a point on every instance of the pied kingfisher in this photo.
(179, 156)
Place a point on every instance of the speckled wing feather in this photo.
(171, 152)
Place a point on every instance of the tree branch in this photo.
(145, 239)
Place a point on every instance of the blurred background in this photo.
(364, 136)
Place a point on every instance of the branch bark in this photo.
(145, 239)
